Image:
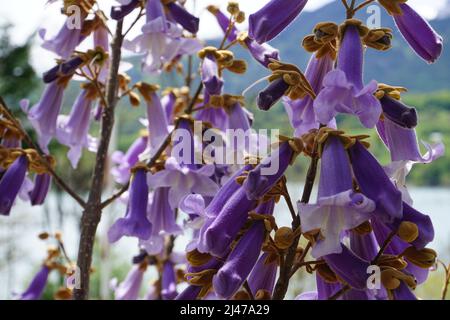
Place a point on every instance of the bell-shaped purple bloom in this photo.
(168, 102)
(263, 275)
(338, 207)
(271, 94)
(217, 233)
(40, 190)
(398, 112)
(183, 17)
(210, 75)
(65, 42)
(243, 257)
(126, 161)
(344, 90)
(66, 68)
(129, 288)
(163, 220)
(301, 112)
(349, 267)
(274, 17)
(375, 184)
(238, 117)
(217, 117)
(168, 281)
(73, 130)
(158, 128)
(37, 285)
(161, 40)
(326, 289)
(11, 183)
(402, 143)
(43, 115)
(120, 12)
(422, 38)
(135, 222)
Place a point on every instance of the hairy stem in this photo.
(92, 213)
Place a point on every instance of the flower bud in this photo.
(408, 231)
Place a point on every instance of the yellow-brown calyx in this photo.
(226, 101)
(347, 141)
(123, 80)
(392, 261)
(424, 258)
(408, 231)
(297, 145)
(391, 279)
(197, 259)
(262, 294)
(139, 166)
(363, 228)
(379, 39)
(224, 59)
(391, 91)
(85, 5)
(326, 273)
(202, 279)
(362, 29)
(392, 6)
(284, 237)
(8, 130)
(236, 13)
(299, 86)
(146, 90)
(35, 162)
(213, 9)
(90, 89)
(323, 40)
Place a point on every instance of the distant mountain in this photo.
(398, 66)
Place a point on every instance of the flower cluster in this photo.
(226, 214)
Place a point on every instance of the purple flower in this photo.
(73, 130)
(135, 222)
(163, 220)
(222, 228)
(43, 115)
(217, 117)
(168, 102)
(398, 112)
(210, 75)
(65, 42)
(190, 293)
(263, 53)
(40, 189)
(344, 91)
(326, 289)
(271, 94)
(243, 257)
(402, 143)
(66, 68)
(349, 267)
(158, 128)
(120, 12)
(129, 288)
(301, 112)
(263, 275)
(375, 184)
(274, 17)
(11, 183)
(37, 285)
(168, 281)
(419, 34)
(183, 17)
(161, 40)
(338, 207)
(126, 161)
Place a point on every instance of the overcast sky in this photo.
(27, 16)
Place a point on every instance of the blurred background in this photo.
(22, 62)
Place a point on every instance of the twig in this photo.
(344, 2)
(300, 262)
(92, 213)
(140, 15)
(286, 270)
(362, 5)
(447, 280)
(58, 180)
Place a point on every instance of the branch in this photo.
(58, 180)
(92, 213)
(286, 270)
